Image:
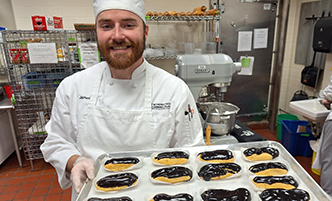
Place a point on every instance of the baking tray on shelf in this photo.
(145, 189)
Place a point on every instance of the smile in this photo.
(120, 48)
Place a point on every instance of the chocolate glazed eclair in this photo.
(282, 194)
(216, 156)
(240, 194)
(111, 199)
(116, 182)
(117, 164)
(269, 182)
(171, 158)
(177, 197)
(269, 169)
(172, 174)
(260, 154)
(216, 171)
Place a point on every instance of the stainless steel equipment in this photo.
(202, 73)
(207, 70)
(220, 116)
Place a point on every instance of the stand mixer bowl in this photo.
(220, 116)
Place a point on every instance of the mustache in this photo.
(117, 44)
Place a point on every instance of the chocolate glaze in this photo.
(264, 166)
(178, 197)
(129, 160)
(240, 194)
(270, 150)
(218, 169)
(216, 155)
(284, 195)
(117, 180)
(276, 179)
(172, 172)
(172, 154)
(110, 199)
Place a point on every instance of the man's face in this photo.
(121, 37)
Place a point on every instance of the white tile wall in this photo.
(291, 72)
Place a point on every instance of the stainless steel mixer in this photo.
(208, 76)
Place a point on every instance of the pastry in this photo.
(215, 171)
(269, 169)
(174, 174)
(110, 199)
(200, 8)
(171, 158)
(284, 195)
(116, 182)
(261, 154)
(117, 164)
(178, 197)
(240, 194)
(217, 156)
(149, 13)
(212, 12)
(268, 182)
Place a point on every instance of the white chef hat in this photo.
(134, 6)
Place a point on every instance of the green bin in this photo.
(279, 124)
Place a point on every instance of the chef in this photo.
(123, 104)
(323, 160)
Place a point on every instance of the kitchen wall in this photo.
(80, 11)
(291, 72)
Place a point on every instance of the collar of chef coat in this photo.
(129, 91)
(140, 69)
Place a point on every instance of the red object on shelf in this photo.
(9, 91)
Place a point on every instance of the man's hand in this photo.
(83, 168)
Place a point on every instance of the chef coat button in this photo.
(111, 83)
(134, 85)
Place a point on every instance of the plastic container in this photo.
(279, 126)
(34, 80)
(9, 90)
(54, 79)
(316, 171)
(297, 143)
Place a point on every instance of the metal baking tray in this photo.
(196, 185)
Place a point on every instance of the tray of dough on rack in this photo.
(243, 171)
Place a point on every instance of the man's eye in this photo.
(129, 25)
(106, 26)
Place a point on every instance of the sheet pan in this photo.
(145, 189)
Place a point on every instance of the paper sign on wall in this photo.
(247, 65)
(88, 54)
(244, 41)
(260, 38)
(42, 53)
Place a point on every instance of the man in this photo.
(123, 104)
(323, 159)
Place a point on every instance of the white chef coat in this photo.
(323, 158)
(170, 97)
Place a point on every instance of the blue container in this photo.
(297, 143)
(34, 80)
(55, 78)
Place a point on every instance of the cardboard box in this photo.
(44, 23)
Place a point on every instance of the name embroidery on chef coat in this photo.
(160, 106)
(84, 97)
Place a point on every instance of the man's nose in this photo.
(117, 34)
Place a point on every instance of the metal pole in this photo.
(283, 12)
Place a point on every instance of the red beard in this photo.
(122, 60)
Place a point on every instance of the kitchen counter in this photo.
(240, 133)
(7, 105)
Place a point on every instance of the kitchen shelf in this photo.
(182, 18)
(34, 85)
